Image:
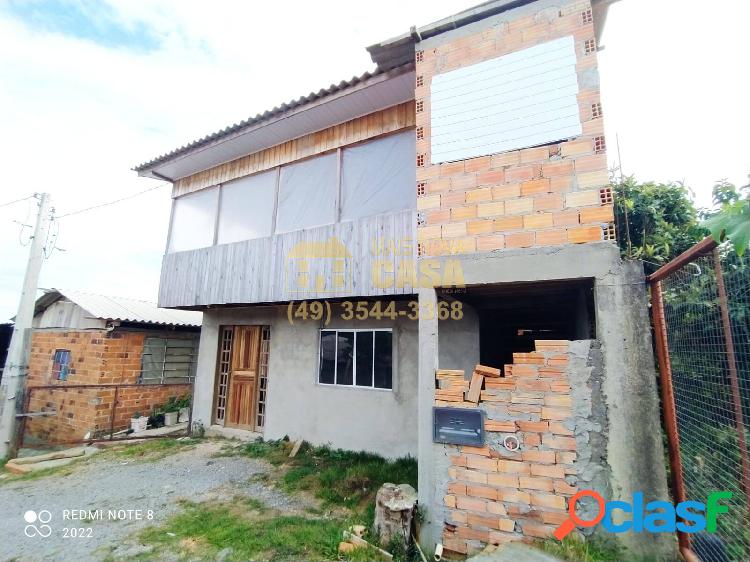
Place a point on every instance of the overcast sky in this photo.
(90, 89)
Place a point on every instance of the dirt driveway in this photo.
(118, 496)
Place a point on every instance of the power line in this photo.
(110, 202)
(17, 201)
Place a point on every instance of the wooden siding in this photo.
(261, 270)
(368, 126)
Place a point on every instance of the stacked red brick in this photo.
(550, 195)
(495, 495)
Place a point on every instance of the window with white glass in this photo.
(307, 193)
(356, 358)
(378, 176)
(193, 220)
(246, 208)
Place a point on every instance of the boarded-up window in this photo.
(378, 176)
(526, 98)
(246, 208)
(362, 358)
(168, 360)
(61, 364)
(307, 194)
(193, 220)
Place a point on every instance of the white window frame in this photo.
(354, 356)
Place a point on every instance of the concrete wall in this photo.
(379, 421)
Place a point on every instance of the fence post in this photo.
(733, 378)
(668, 405)
(114, 411)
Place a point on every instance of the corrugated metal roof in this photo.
(123, 309)
(259, 118)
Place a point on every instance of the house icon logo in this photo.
(319, 267)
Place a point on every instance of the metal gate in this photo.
(85, 413)
(701, 313)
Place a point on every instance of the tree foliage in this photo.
(656, 221)
(732, 220)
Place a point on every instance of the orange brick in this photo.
(458, 460)
(584, 234)
(453, 230)
(481, 226)
(582, 198)
(551, 202)
(503, 224)
(455, 545)
(597, 214)
(533, 483)
(479, 194)
(536, 530)
(557, 168)
(560, 429)
(428, 232)
(473, 534)
(513, 467)
(560, 443)
(449, 501)
(502, 480)
(505, 159)
(463, 182)
(550, 471)
(459, 516)
(553, 517)
(537, 220)
(477, 164)
(481, 463)
(428, 202)
(489, 243)
(499, 523)
(519, 173)
(451, 169)
(456, 488)
(471, 504)
(591, 163)
(560, 184)
(438, 216)
(558, 401)
(491, 209)
(438, 185)
(557, 414)
(463, 213)
(534, 154)
(533, 426)
(510, 191)
(562, 487)
(497, 508)
(575, 148)
(456, 199)
(522, 206)
(551, 237)
(513, 496)
(482, 492)
(519, 240)
(543, 457)
(534, 187)
(472, 476)
(491, 177)
(547, 500)
(493, 425)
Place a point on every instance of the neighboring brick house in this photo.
(84, 339)
(450, 208)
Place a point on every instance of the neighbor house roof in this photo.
(121, 309)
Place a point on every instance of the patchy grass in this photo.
(62, 470)
(201, 531)
(338, 478)
(593, 549)
(150, 450)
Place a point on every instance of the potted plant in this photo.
(184, 404)
(171, 410)
(138, 422)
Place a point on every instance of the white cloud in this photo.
(76, 116)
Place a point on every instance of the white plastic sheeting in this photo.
(194, 220)
(522, 99)
(379, 176)
(307, 194)
(246, 208)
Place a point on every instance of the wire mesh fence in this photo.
(701, 306)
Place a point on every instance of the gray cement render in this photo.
(379, 421)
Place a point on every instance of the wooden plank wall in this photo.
(372, 125)
(260, 270)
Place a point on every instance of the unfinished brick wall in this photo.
(97, 357)
(549, 195)
(494, 495)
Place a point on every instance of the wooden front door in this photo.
(243, 378)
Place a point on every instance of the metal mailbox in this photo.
(458, 426)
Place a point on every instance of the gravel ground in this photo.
(120, 484)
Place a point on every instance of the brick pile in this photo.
(549, 195)
(494, 494)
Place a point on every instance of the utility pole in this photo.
(14, 375)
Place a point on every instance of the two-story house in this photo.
(450, 208)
